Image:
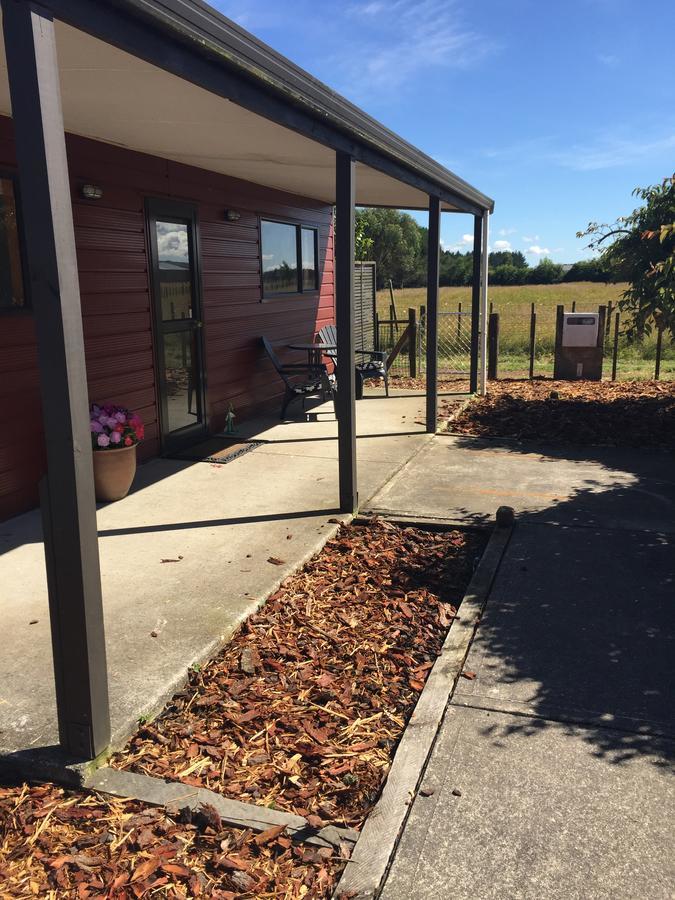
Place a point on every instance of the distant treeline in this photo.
(399, 247)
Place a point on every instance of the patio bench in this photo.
(373, 367)
(301, 380)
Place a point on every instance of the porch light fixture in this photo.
(232, 215)
(91, 191)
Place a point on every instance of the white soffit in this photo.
(111, 96)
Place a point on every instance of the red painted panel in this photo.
(111, 243)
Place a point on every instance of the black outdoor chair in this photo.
(301, 380)
(374, 367)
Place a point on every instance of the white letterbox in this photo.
(580, 329)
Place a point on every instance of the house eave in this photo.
(214, 37)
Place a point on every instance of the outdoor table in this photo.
(314, 351)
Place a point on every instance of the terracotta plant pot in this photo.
(114, 471)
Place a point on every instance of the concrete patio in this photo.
(551, 775)
(184, 558)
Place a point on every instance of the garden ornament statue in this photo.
(229, 421)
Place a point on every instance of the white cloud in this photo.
(601, 151)
(608, 59)
(531, 240)
(502, 245)
(505, 232)
(464, 243)
(536, 250)
(408, 37)
(610, 152)
(172, 243)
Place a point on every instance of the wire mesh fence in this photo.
(526, 345)
(454, 343)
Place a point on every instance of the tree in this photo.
(507, 273)
(546, 272)
(507, 258)
(397, 242)
(588, 270)
(640, 249)
(363, 243)
(456, 269)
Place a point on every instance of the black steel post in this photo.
(615, 349)
(493, 347)
(475, 303)
(345, 192)
(69, 511)
(433, 262)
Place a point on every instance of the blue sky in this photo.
(556, 109)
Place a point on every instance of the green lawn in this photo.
(516, 300)
(514, 305)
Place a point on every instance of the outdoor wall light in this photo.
(91, 191)
(232, 215)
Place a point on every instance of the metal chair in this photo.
(374, 367)
(315, 382)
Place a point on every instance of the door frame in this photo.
(167, 208)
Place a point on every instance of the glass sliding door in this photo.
(177, 308)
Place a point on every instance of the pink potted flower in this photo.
(115, 433)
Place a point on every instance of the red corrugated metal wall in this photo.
(116, 301)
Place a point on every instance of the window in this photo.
(11, 276)
(309, 273)
(289, 258)
(175, 272)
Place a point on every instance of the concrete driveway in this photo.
(608, 487)
(552, 774)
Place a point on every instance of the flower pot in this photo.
(114, 471)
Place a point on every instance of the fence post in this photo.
(616, 346)
(412, 342)
(376, 336)
(421, 332)
(608, 323)
(659, 345)
(493, 345)
(559, 318)
(533, 331)
(459, 320)
(574, 305)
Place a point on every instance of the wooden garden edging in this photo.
(175, 796)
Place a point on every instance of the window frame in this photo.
(27, 308)
(299, 290)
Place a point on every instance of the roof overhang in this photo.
(175, 79)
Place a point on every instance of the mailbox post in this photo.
(579, 345)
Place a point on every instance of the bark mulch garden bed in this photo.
(622, 414)
(56, 843)
(302, 711)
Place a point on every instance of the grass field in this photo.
(514, 305)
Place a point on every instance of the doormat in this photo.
(216, 450)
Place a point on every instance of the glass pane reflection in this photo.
(180, 379)
(279, 258)
(308, 259)
(175, 277)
